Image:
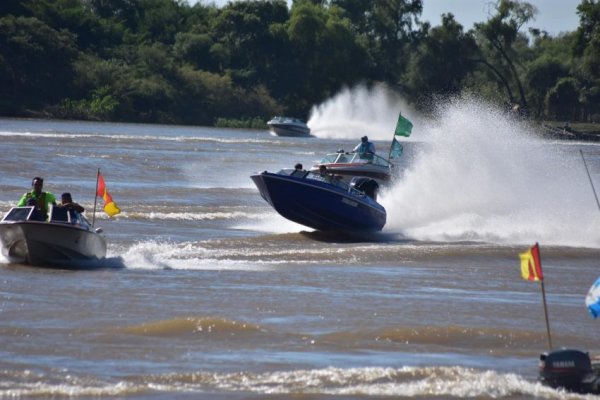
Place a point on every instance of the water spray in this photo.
(590, 178)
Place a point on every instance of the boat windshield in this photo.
(354, 158)
(64, 215)
(334, 180)
(286, 120)
(18, 214)
(331, 179)
(57, 214)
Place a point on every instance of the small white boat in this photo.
(286, 126)
(348, 165)
(65, 239)
(355, 164)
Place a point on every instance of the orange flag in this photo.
(110, 207)
(531, 266)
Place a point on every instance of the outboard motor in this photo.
(569, 369)
(368, 186)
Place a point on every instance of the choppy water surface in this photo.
(208, 293)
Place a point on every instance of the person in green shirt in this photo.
(38, 198)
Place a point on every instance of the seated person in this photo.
(325, 175)
(66, 201)
(298, 171)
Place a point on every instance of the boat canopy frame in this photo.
(57, 215)
(342, 157)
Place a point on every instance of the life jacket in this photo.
(40, 202)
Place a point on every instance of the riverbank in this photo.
(572, 131)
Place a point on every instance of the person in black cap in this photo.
(365, 147)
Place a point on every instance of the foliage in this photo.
(441, 61)
(36, 63)
(168, 61)
(250, 123)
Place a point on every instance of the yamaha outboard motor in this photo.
(569, 369)
(366, 185)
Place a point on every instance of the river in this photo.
(208, 293)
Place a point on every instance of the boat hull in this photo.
(319, 205)
(288, 130)
(49, 244)
(287, 126)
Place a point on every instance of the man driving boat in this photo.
(365, 147)
(38, 198)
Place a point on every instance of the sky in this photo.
(554, 16)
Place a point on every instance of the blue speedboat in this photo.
(322, 201)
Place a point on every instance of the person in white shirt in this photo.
(365, 147)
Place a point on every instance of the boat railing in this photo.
(342, 157)
(57, 214)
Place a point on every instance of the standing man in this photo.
(365, 147)
(38, 198)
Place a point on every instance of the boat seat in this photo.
(299, 173)
(60, 214)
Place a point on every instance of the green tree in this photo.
(326, 54)
(441, 61)
(541, 76)
(160, 20)
(245, 29)
(562, 101)
(36, 63)
(388, 30)
(500, 35)
(195, 49)
(587, 52)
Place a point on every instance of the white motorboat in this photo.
(355, 164)
(348, 165)
(286, 126)
(64, 240)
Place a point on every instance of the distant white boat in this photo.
(286, 126)
(66, 238)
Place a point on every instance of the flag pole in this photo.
(394, 137)
(95, 198)
(590, 178)
(546, 314)
(545, 307)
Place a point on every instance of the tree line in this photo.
(171, 62)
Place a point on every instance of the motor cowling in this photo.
(368, 186)
(566, 368)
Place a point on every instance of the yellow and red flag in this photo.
(531, 266)
(110, 207)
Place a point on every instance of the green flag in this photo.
(396, 149)
(403, 127)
